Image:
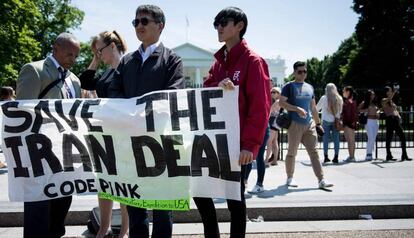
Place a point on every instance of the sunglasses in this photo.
(302, 71)
(144, 21)
(222, 22)
(101, 49)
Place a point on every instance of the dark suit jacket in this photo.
(36, 76)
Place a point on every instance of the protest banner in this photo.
(150, 151)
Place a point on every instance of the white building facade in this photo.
(197, 62)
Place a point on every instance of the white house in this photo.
(197, 62)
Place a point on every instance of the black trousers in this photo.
(46, 218)
(237, 210)
(392, 123)
(139, 223)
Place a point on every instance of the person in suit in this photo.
(38, 80)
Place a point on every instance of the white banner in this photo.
(164, 145)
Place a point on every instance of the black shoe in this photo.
(326, 160)
(390, 158)
(335, 159)
(405, 158)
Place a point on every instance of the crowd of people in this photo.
(155, 67)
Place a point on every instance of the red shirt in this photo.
(349, 113)
(248, 70)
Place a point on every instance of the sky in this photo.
(292, 29)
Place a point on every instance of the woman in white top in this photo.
(272, 143)
(331, 106)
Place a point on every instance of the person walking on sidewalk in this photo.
(349, 119)
(331, 106)
(237, 64)
(370, 109)
(299, 99)
(393, 123)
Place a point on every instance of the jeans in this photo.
(237, 210)
(372, 130)
(393, 124)
(261, 168)
(139, 223)
(329, 127)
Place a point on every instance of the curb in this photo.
(15, 219)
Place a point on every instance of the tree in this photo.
(28, 29)
(385, 33)
(18, 44)
(55, 17)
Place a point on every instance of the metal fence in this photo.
(361, 136)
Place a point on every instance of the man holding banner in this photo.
(152, 67)
(49, 79)
(236, 64)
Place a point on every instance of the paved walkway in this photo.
(381, 189)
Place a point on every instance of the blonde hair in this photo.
(277, 89)
(335, 101)
(112, 36)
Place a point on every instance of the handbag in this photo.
(283, 119)
(338, 124)
(362, 118)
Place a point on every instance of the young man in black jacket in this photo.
(152, 67)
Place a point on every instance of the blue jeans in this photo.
(139, 223)
(261, 168)
(329, 127)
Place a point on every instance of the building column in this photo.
(198, 78)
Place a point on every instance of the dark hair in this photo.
(6, 93)
(367, 98)
(236, 14)
(298, 64)
(351, 91)
(112, 36)
(153, 10)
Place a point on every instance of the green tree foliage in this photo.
(18, 45)
(385, 33)
(55, 17)
(28, 29)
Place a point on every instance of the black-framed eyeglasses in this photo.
(302, 71)
(144, 21)
(222, 22)
(101, 49)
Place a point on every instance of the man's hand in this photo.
(246, 157)
(302, 113)
(226, 84)
(319, 130)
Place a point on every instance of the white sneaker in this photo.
(290, 182)
(257, 189)
(324, 184)
(349, 160)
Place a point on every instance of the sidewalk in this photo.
(381, 189)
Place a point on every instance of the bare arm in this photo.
(315, 113)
